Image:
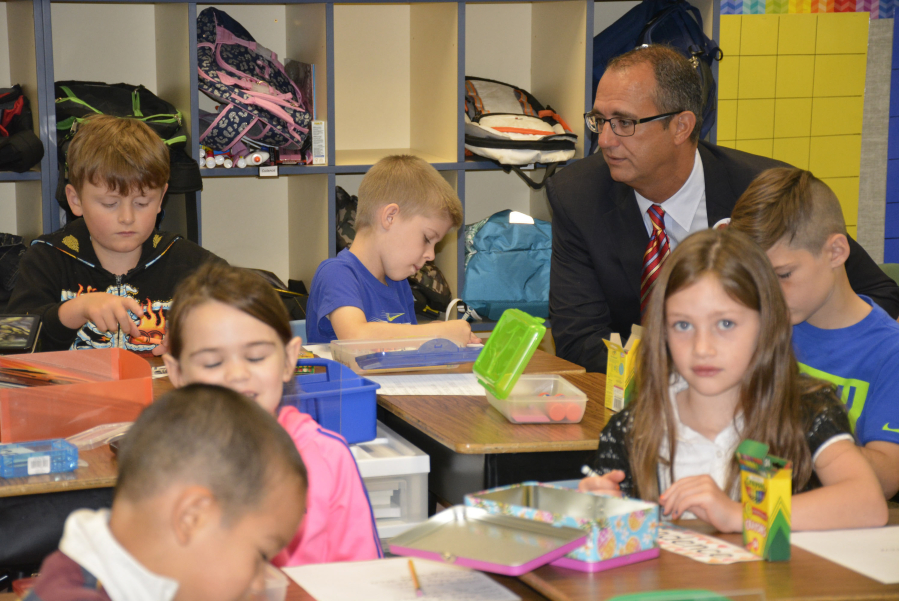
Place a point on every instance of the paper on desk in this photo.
(872, 552)
(320, 350)
(389, 580)
(431, 384)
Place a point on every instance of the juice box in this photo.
(766, 484)
(620, 368)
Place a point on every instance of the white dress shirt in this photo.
(685, 212)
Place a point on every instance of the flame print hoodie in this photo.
(61, 266)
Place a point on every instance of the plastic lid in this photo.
(507, 351)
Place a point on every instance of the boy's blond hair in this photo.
(125, 155)
(411, 183)
(788, 204)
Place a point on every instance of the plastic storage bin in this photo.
(103, 386)
(22, 459)
(395, 474)
(436, 353)
(338, 400)
(543, 399)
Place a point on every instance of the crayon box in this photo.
(766, 484)
(620, 368)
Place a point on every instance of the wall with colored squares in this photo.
(877, 9)
(791, 87)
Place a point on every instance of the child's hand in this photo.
(107, 311)
(706, 500)
(459, 331)
(606, 484)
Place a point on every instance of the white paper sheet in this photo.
(390, 580)
(431, 384)
(873, 552)
(321, 350)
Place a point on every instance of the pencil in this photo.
(418, 591)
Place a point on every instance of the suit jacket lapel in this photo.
(719, 197)
(628, 234)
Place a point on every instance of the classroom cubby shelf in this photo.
(389, 79)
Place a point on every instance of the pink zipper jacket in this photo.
(339, 524)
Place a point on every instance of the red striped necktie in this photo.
(656, 252)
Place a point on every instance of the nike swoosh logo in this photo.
(887, 427)
(392, 316)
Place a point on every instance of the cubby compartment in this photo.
(292, 31)
(538, 46)
(278, 224)
(396, 86)
(20, 208)
(20, 195)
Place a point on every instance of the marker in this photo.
(241, 162)
(587, 471)
(418, 591)
(210, 163)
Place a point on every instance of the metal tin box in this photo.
(621, 531)
(475, 538)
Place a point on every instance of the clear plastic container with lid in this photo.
(533, 398)
(542, 399)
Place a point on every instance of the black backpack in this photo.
(672, 22)
(77, 100)
(20, 148)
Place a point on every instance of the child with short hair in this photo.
(106, 280)
(228, 326)
(210, 488)
(405, 208)
(838, 335)
(715, 368)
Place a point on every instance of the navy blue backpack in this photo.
(672, 22)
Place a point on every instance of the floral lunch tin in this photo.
(620, 531)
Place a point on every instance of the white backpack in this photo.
(508, 125)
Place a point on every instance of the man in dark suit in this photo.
(653, 182)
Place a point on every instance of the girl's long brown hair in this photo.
(771, 389)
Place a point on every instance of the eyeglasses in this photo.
(621, 127)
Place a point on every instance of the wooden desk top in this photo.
(806, 576)
(469, 425)
(101, 469)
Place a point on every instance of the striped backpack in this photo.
(258, 99)
(508, 125)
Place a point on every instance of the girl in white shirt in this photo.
(716, 367)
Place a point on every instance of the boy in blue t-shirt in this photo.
(838, 335)
(405, 208)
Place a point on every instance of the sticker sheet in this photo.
(700, 547)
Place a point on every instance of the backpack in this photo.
(259, 100)
(508, 125)
(672, 22)
(507, 266)
(20, 148)
(77, 100)
(430, 290)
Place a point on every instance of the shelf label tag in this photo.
(319, 143)
(528, 167)
(268, 171)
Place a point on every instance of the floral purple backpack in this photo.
(258, 99)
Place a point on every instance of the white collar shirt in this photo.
(697, 455)
(87, 541)
(685, 212)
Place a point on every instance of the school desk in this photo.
(473, 447)
(805, 577)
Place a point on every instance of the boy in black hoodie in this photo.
(107, 280)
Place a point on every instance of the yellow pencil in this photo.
(418, 591)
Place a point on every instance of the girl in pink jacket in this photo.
(227, 326)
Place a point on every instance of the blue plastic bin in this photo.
(338, 400)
